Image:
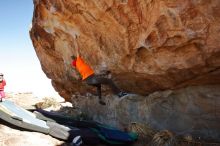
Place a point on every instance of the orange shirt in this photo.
(84, 69)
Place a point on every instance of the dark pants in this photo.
(97, 81)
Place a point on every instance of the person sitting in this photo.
(2, 85)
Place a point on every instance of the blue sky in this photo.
(18, 60)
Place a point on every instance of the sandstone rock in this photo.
(192, 110)
(148, 45)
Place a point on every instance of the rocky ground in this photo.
(15, 137)
(12, 136)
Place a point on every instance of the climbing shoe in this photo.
(121, 94)
(77, 141)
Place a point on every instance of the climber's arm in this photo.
(76, 47)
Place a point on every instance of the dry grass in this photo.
(149, 137)
(143, 130)
(47, 102)
(164, 138)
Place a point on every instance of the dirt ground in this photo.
(10, 135)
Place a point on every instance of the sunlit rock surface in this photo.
(148, 45)
(13, 137)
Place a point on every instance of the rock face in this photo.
(148, 45)
(191, 110)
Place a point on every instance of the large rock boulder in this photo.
(147, 45)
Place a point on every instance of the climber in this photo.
(2, 84)
(90, 78)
